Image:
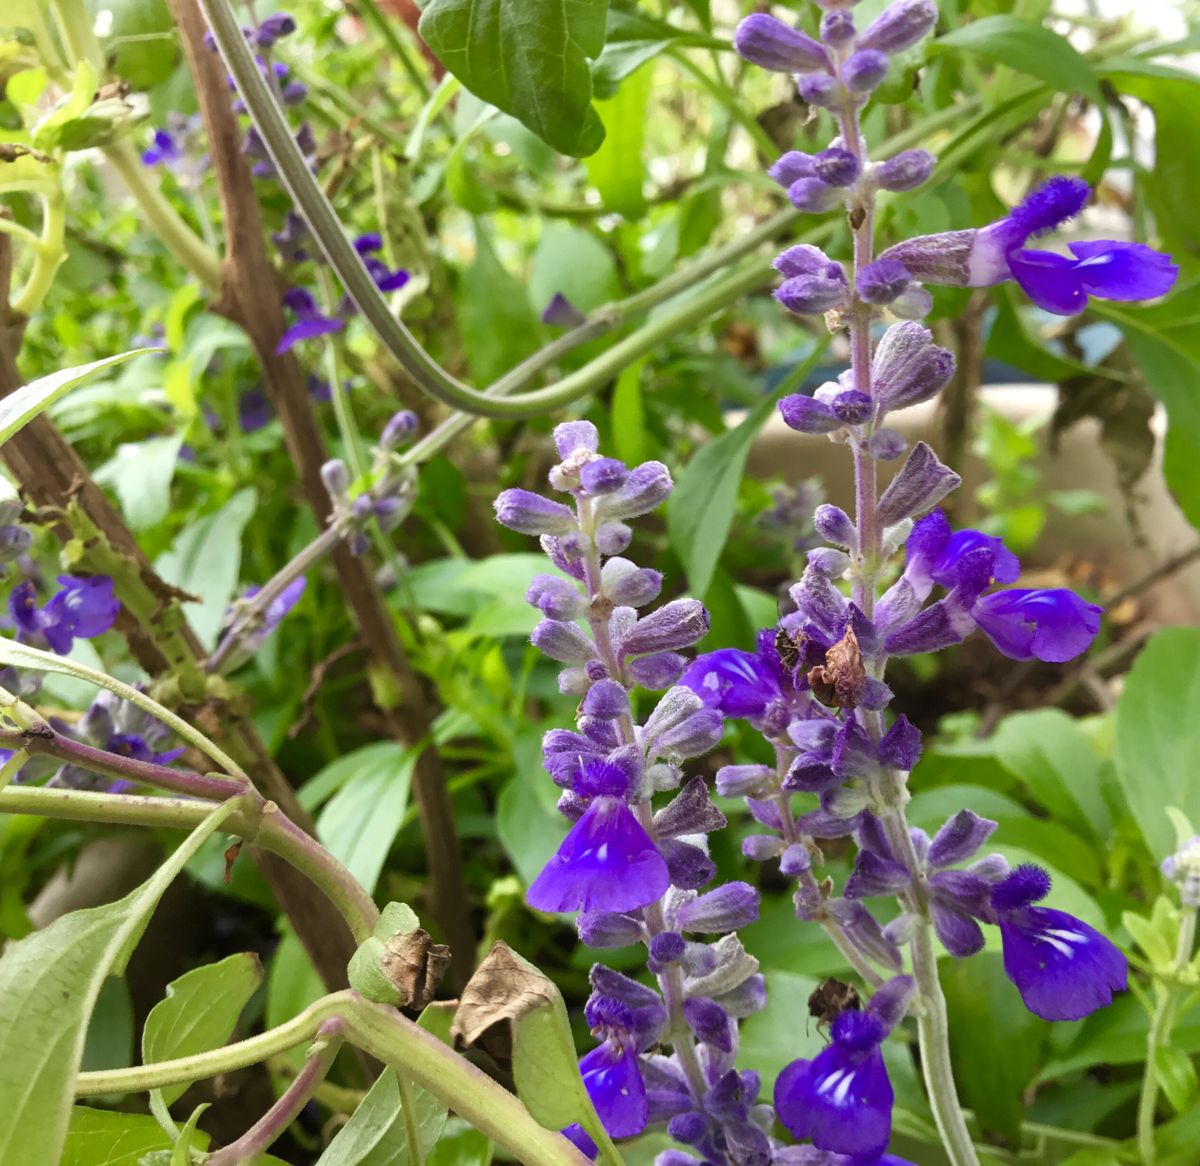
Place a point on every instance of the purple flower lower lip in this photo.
(1053, 625)
(1110, 270)
(606, 863)
(614, 1083)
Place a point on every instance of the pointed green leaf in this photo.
(199, 1012)
(49, 982)
(1148, 938)
(100, 1137)
(19, 408)
(1177, 1076)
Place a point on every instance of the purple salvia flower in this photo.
(904, 171)
(899, 26)
(769, 43)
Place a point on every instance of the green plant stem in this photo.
(386, 1035)
(1165, 1006)
(51, 250)
(12, 766)
(343, 413)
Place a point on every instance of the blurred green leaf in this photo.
(1177, 1076)
(498, 326)
(573, 263)
(461, 1145)
(782, 1031)
(617, 170)
(361, 820)
(986, 1013)
(1027, 47)
(141, 474)
(1158, 735)
(528, 58)
(100, 1137)
(635, 37)
(142, 40)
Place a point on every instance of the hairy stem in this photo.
(1166, 1003)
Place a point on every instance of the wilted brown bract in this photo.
(839, 682)
(415, 965)
(504, 987)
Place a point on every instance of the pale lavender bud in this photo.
(564, 642)
(575, 435)
(903, 928)
(805, 259)
(791, 167)
(834, 525)
(762, 847)
(796, 861)
(852, 407)
(919, 486)
(605, 929)
(735, 781)
(400, 429)
(628, 585)
(647, 486)
(904, 171)
(747, 999)
(890, 1001)
(813, 195)
(812, 295)
(529, 513)
(837, 166)
(808, 415)
(691, 812)
(817, 89)
(769, 43)
(573, 681)
(613, 537)
(908, 367)
(991, 868)
(688, 866)
(603, 475)
(828, 562)
(864, 70)
(959, 838)
(882, 281)
(555, 598)
(886, 445)
(726, 909)
(837, 28)
(1183, 869)
(900, 26)
(678, 624)
(698, 959)
(658, 670)
(336, 478)
(913, 303)
(14, 542)
(864, 932)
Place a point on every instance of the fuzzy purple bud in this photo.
(769, 43)
(601, 929)
(561, 641)
(555, 597)
(728, 908)
(852, 407)
(790, 168)
(864, 70)
(919, 486)
(710, 1022)
(959, 838)
(900, 26)
(735, 781)
(529, 513)
(678, 624)
(572, 436)
(658, 670)
(607, 700)
(883, 281)
(647, 486)
(628, 585)
(837, 166)
(796, 861)
(805, 259)
(603, 475)
(400, 429)
(813, 195)
(904, 171)
(690, 867)
(886, 445)
(834, 525)
(336, 478)
(819, 90)
(808, 415)
(813, 295)
(691, 812)
(762, 847)
(908, 367)
(613, 537)
(837, 28)
(667, 947)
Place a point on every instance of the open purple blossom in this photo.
(83, 607)
(1063, 968)
(1060, 284)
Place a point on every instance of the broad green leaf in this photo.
(573, 263)
(986, 1013)
(617, 170)
(377, 1132)
(1149, 938)
(206, 561)
(528, 823)
(783, 1030)
(629, 415)
(19, 408)
(110, 1043)
(498, 326)
(141, 474)
(1027, 47)
(1056, 763)
(1158, 735)
(704, 500)
(634, 37)
(360, 822)
(144, 44)
(100, 1137)
(199, 1012)
(528, 58)
(461, 1145)
(49, 983)
(1177, 1076)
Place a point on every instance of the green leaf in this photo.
(1029, 48)
(782, 1031)
(109, 1042)
(461, 1145)
(1165, 347)
(206, 561)
(19, 408)
(377, 1132)
(498, 326)
(528, 58)
(199, 1012)
(49, 983)
(704, 500)
(1158, 735)
(100, 1137)
(1177, 1076)
(574, 263)
(1149, 938)
(360, 822)
(1056, 763)
(142, 40)
(616, 170)
(629, 415)
(141, 474)
(635, 37)
(986, 1013)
